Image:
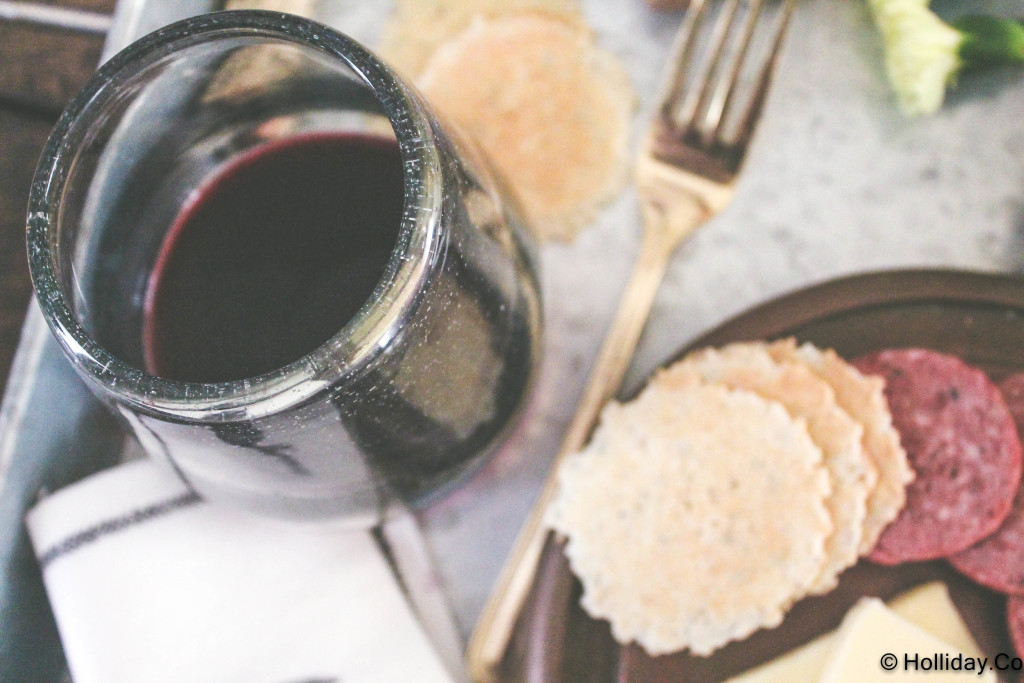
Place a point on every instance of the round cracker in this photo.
(806, 395)
(549, 107)
(695, 516)
(863, 398)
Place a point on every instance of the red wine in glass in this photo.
(272, 256)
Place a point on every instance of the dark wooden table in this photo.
(41, 68)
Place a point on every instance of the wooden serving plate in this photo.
(979, 317)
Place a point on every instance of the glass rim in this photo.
(352, 347)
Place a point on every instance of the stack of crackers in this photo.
(741, 480)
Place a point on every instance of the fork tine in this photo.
(679, 58)
(764, 78)
(716, 111)
(697, 96)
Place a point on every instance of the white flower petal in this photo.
(921, 52)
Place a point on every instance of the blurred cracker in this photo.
(550, 108)
(417, 28)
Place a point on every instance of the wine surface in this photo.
(272, 256)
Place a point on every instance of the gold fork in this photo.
(685, 174)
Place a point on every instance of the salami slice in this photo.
(1015, 622)
(997, 561)
(1012, 389)
(962, 443)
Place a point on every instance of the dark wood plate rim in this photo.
(879, 288)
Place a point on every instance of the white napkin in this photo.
(148, 583)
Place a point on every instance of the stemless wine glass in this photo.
(421, 383)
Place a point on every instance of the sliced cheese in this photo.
(803, 664)
(877, 645)
(928, 606)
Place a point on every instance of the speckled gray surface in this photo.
(837, 182)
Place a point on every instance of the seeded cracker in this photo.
(695, 516)
(863, 398)
(804, 394)
(551, 109)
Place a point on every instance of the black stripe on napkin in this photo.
(111, 526)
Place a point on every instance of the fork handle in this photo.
(663, 230)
